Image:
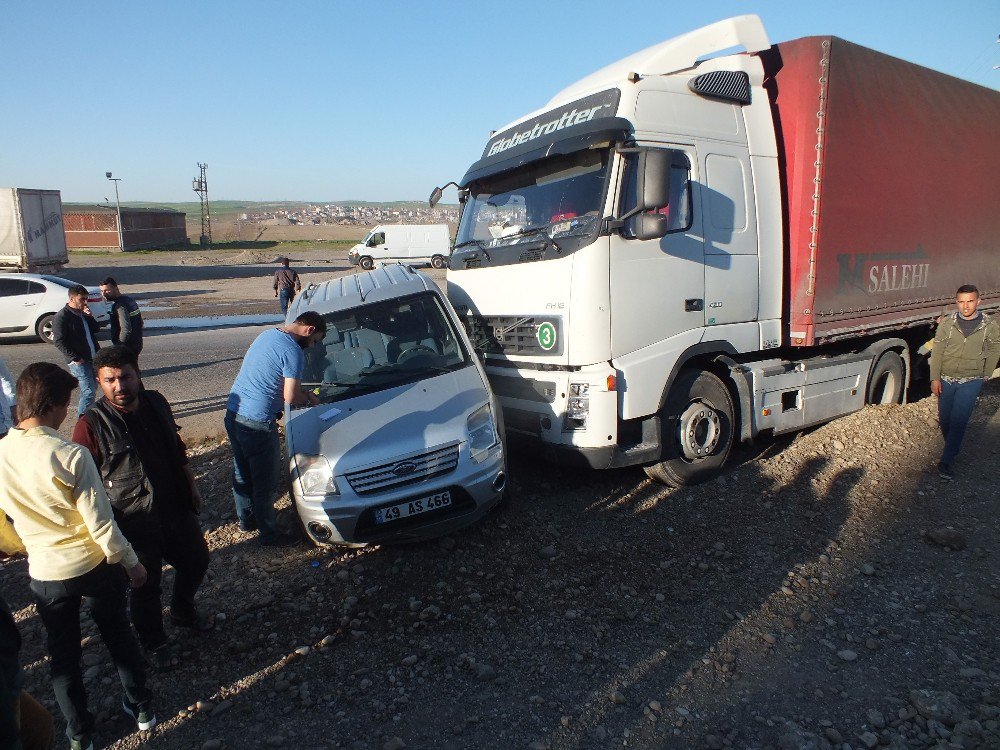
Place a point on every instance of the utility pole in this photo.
(200, 186)
(116, 180)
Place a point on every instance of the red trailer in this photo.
(892, 188)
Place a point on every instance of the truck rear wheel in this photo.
(885, 384)
(366, 263)
(697, 430)
(43, 328)
(437, 261)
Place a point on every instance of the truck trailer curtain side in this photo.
(891, 188)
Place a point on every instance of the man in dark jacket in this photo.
(133, 438)
(74, 332)
(286, 285)
(126, 318)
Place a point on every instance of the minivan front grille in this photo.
(405, 471)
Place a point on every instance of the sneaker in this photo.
(160, 658)
(945, 472)
(282, 540)
(143, 715)
(196, 621)
(250, 524)
(84, 743)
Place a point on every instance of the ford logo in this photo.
(403, 468)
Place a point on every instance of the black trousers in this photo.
(103, 589)
(178, 540)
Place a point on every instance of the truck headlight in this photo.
(315, 475)
(482, 432)
(577, 407)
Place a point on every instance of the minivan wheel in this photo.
(43, 328)
(437, 261)
(366, 263)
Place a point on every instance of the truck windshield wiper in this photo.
(480, 244)
(549, 242)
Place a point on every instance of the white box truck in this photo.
(412, 244)
(31, 230)
(690, 247)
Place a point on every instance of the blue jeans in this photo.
(84, 373)
(285, 296)
(955, 405)
(256, 468)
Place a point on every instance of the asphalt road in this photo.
(192, 368)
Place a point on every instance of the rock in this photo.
(302, 650)
(221, 708)
(847, 655)
(485, 672)
(946, 536)
(547, 553)
(868, 570)
(713, 742)
(328, 641)
(91, 659)
(770, 638)
(875, 719)
(394, 743)
(211, 745)
(617, 698)
(868, 739)
(796, 738)
(938, 705)
(409, 661)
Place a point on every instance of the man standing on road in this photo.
(8, 400)
(63, 520)
(965, 354)
(269, 378)
(126, 318)
(132, 435)
(74, 332)
(286, 285)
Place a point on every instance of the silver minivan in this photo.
(407, 440)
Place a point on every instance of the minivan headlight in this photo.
(482, 432)
(315, 475)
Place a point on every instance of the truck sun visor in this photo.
(568, 128)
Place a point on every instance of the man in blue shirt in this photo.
(269, 378)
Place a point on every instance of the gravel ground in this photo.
(835, 593)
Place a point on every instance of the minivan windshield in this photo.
(560, 196)
(381, 345)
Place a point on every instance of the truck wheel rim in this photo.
(699, 429)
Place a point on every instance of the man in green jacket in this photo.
(965, 354)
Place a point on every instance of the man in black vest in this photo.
(132, 435)
(126, 318)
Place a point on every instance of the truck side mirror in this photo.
(653, 178)
(436, 194)
(648, 226)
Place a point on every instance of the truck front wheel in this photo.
(697, 430)
(366, 263)
(885, 386)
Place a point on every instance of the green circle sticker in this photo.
(546, 335)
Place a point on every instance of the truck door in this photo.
(730, 226)
(657, 286)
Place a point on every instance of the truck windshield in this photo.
(561, 195)
(382, 345)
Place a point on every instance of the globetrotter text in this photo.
(573, 117)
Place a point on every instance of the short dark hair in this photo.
(312, 318)
(968, 289)
(283, 261)
(115, 356)
(41, 387)
(78, 290)
(109, 282)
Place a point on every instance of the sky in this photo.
(337, 100)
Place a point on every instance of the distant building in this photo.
(96, 227)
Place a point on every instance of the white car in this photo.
(29, 301)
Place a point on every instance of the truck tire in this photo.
(438, 261)
(366, 263)
(697, 430)
(43, 328)
(885, 384)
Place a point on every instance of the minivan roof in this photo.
(388, 282)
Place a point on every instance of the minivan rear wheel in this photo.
(366, 263)
(438, 261)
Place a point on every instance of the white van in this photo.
(403, 243)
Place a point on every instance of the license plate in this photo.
(413, 507)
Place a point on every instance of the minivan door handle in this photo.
(694, 305)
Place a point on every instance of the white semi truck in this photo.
(691, 247)
(31, 230)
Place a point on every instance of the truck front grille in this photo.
(405, 471)
(512, 334)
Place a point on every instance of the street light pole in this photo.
(116, 180)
